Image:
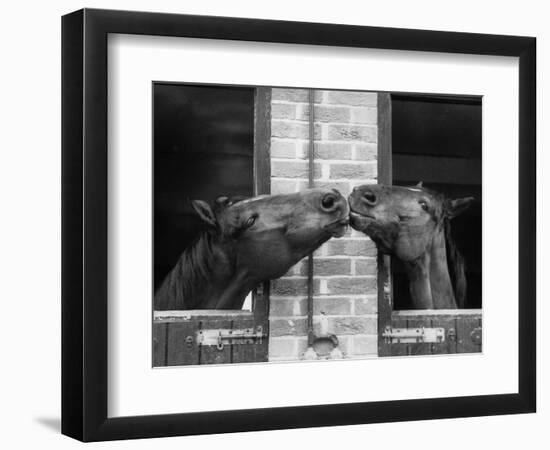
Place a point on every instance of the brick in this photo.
(296, 269)
(291, 286)
(293, 130)
(353, 171)
(321, 171)
(357, 234)
(366, 267)
(302, 149)
(337, 114)
(345, 344)
(320, 96)
(301, 346)
(283, 111)
(283, 186)
(328, 266)
(365, 345)
(352, 285)
(351, 247)
(321, 251)
(335, 306)
(292, 169)
(342, 186)
(366, 116)
(366, 305)
(283, 148)
(347, 233)
(280, 347)
(352, 325)
(331, 150)
(354, 98)
(366, 152)
(286, 307)
(288, 327)
(289, 95)
(289, 130)
(364, 133)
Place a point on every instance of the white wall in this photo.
(30, 224)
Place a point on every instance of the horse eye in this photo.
(250, 221)
(423, 205)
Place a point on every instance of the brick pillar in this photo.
(344, 270)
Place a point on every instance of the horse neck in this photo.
(199, 278)
(440, 280)
(429, 281)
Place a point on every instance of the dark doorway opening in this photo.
(437, 140)
(203, 147)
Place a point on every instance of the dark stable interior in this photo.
(203, 147)
(437, 140)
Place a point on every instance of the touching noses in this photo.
(332, 201)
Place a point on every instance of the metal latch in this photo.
(413, 335)
(221, 337)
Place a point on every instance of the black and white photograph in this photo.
(314, 224)
(274, 225)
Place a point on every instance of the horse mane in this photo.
(457, 266)
(184, 284)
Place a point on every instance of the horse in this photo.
(414, 225)
(247, 241)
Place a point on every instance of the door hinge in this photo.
(413, 335)
(222, 337)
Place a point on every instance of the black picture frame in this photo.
(84, 224)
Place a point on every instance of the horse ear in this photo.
(204, 211)
(458, 206)
(419, 184)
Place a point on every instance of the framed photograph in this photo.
(274, 224)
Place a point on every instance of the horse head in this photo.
(250, 241)
(412, 224)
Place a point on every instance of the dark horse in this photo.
(249, 241)
(413, 224)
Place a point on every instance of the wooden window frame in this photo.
(462, 321)
(170, 347)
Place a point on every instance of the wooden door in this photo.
(212, 336)
(455, 331)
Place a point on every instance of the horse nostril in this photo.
(370, 197)
(328, 201)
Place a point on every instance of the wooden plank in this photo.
(422, 348)
(384, 138)
(384, 302)
(399, 349)
(180, 351)
(261, 317)
(262, 140)
(159, 344)
(197, 314)
(245, 353)
(465, 327)
(449, 345)
(384, 120)
(210, 354)
(414, 313)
